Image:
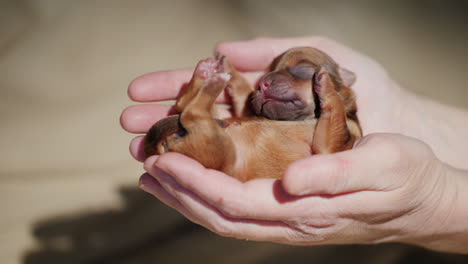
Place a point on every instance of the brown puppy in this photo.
(302, 106)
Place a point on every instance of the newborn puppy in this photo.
(302, 106)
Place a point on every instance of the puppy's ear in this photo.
(348, 77)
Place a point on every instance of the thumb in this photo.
(365, 167)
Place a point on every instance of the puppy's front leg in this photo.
(331, 133)
(239, 90)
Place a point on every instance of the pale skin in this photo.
(405, 181)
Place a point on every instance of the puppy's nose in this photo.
(264, 84)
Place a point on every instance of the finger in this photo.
(150, 185)
(350, 171)
(166, 85)
(215, 221)
(140, 118)
(258, 199)
(317, 231)
(137, 148)
(159, 86)
(257, 54)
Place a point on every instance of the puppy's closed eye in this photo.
(302, 71)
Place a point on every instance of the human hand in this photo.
(263, 209)
(388, 188)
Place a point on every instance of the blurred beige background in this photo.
(68, 187)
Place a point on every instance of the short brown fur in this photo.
(302, 106)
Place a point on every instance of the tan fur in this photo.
(261, 145)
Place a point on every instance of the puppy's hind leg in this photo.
(202, 73)
(203, 138)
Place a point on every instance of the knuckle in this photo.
(388, 145)
(219, 202)
(221, 228)
(392, 150)
(399, 150)
(312, 231)
(311, 237)
(339, 168)
(376, 138)
(228, 208)
(298, 237)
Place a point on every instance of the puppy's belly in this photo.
(265, 148)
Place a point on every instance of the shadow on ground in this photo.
(147, 231)
(109, 236)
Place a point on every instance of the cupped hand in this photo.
(388, 188)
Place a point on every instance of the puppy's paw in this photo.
(213, 68)
(206, 68)
(212, 72)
